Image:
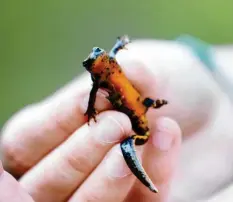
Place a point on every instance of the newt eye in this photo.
(96, 50)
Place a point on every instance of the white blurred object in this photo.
(224, 196)
(217, 59)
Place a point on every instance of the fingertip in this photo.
(168, 134)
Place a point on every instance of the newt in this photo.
(107, 74)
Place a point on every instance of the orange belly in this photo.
(130, 96)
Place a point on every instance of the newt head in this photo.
(93, 62)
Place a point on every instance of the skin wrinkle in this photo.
(15, 160)
(119, 125)
(74, 159)
(67, 127)
(77, 168)
(77, 160)
(116, 151)
(90, 196)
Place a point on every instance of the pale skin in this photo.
(58, 157)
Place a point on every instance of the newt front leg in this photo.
(91, 111)
(120, 44)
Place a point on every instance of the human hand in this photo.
(169, 72)
(58, 157)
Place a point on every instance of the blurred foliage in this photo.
(43, 42)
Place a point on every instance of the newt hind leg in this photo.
(120, 44)
(148, 102)
(141, 139)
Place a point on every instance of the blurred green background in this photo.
(43, 42)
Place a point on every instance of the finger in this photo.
(59, 174)
(10, 189)
(159, 160)
(38, 129)
(111, 180)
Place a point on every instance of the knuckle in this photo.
(13, 160)
(12, 152)
(80, 163)
(90, 196)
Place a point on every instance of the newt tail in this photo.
(129, 153)
(107, 74)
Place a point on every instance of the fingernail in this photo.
(163, 137)
(108, 130)
(116, 165)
